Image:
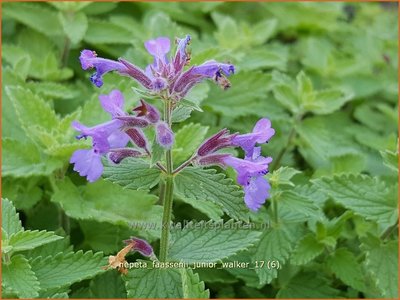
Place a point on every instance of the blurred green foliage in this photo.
(326, 74)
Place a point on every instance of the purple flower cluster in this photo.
(251, 169)
(111, 138)
(168, 78)
(165, 77)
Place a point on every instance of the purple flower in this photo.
(87, 162)
(113, 103)
(158, 48)
(164, 75)
(90, 60)
(262, 132)
(147, 111)
(220, 140)
(250, 176)
(164, 135)
(141, 246)
(247, 168)
(256, 192)
(182, 56)
(137, 137)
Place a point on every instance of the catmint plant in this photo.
(168, 78)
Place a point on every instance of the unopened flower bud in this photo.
(141, 246)
(117, 155)
(137, 137)
(147, 111)
(164, 134)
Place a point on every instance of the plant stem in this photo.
(168, 191)
(275, 209)
(184, 165)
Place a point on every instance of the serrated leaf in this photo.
(327, 101)
(74, 25)
(18, 276)
(24, 159)
(192, 286)
(104, 32)
(26, 240)
(206, 242)
(154, 283)
(382, 261)
(252, 98)
(32, 16)
(212, 210)
(282, 176)
(308, 285)
(10, 222)
(107, 285)
(187, 139)
(306, 250)
(52, 90)
(31, 109)
(344, 265)
(106, 202)
(289, 201)
(391, 159)
(132, 174)
(202, 184)
(275, 244)
(366, 196)
(65, 269)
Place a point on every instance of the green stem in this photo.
(166, 220)
(275, 209)
(168, 192)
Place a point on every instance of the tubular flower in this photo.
(251, 169)
(109, 139)
(165, 76)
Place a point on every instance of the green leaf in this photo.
(26, 240)
(154, 283)
(106, 202)
(104, 32)
(382, 262)
(107, 285)
(187, 139)
(327, 101)
(308, 285)
(10, 222)
(206, 184)
(252, 99)
(306, 250)
(18, 276)
(192, 286)
(52, 90)
(366, 196)
(65, 269)
(390, 159)
(132, 174)
(212, 210)
(157, 152)
(32, 15)
(282, 176)
(293, 203)
(275, 244)
(24, 159)
(31, 109)
(74, 25)
(210, 241)
(344, 265)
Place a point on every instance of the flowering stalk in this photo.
(167, 191)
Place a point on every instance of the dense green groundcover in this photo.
(325, 74)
